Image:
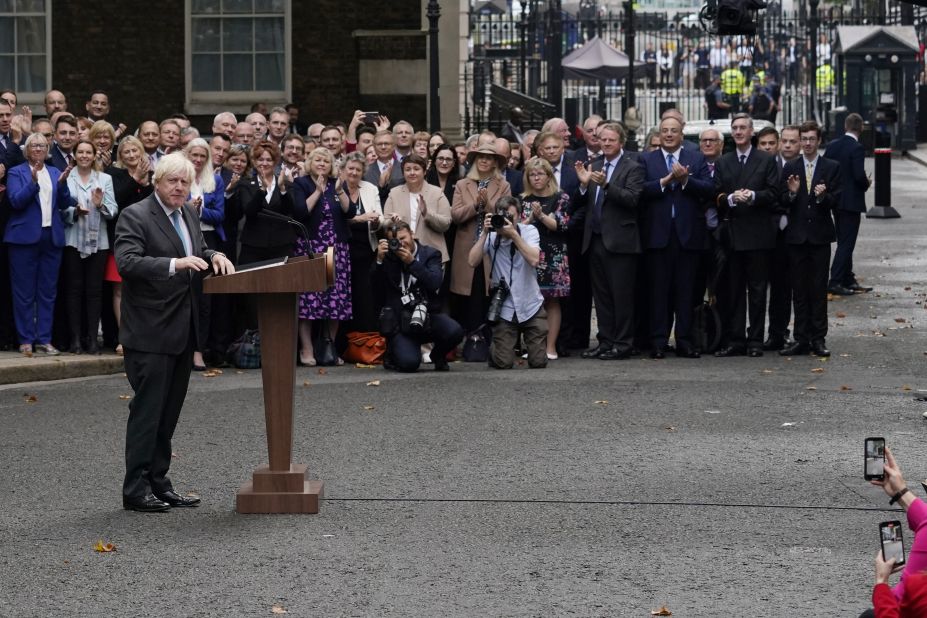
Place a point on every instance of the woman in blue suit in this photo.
(38, 194)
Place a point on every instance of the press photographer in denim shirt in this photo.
(516, 306)
(407, 278)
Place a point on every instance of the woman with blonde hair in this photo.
(324, 206)
(545, 207)
(207, 194)
(87, 244)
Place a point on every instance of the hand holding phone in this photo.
(874, 459)
(892, 539)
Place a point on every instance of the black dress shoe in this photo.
(797, 348)
(176, 500)
(858, 288)
(614, 354)
(687, 353)
(773, 343)
(754, 352)
(441, 364)
(839, 290)
(731, 350)
(596, 351)
(657, 353)
(145, 504)
(818, 349)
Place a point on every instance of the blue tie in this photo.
(175, 219)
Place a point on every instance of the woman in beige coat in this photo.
(474, 195)
(421, 205)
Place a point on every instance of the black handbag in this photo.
(476, 347)
(706, 328)
(245, 352)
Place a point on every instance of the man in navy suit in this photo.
(590, 149)
(676, 185)
(66, 135)
(514, 177)
(849, 155)
(11, 155)
(749, 180)
(812, 187)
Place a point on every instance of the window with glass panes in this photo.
(25, 32)
(238, 45)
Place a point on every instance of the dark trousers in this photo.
(671, 271)
(83, 279)
(780, 290)
(748, 274)
(160, 384)
(34, 279)
(405, 350)
(470, 311)
(613, 277)
(809, 289)
(577, 312)
(7, 326)
(841, 270)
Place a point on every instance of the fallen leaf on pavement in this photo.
(278, 609)
(239, 372)
(845, 355)
(373, 383)
(104, 548)
(322, 371)
(212, 373)
(844, 387)
(175, 456)
(307, 383)
(669, 428)
(30, 398)
(811, 388)
(601, 402)
(364, 366)
(767, 371)
(841, 314)
(661, 612)
(900, 320)
(817, 370)
(788, 424)
(368, 407)
(125, 397)
(905, 388)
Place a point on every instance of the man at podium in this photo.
(160, 252)
(407, 278)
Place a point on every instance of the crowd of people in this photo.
(501, 243)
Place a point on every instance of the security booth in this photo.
(877, 78)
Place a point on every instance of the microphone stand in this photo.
(269, 214)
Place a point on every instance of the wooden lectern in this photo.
(280, 486)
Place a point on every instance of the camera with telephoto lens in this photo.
(497, 296)
(419, 316)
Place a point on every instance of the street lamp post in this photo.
(813, 78)
(523, 27)
(434, 104)
(629, 50)
(555, 49)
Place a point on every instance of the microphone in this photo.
(270, 214)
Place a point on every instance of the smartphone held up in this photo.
(892, 539)
(874, 459)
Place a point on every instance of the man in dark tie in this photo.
(611, 188)
(676, 185)
(66, 135)
(812, 187)
(749, 182)
(160, 253)
(849, 155)
(710, 275)
(11, 155)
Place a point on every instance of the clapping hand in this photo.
(197, 204)
(794, 183)
(64, 175)
(141, 170)
(680, 173)
(582, 171)
(105, 157)
(284, 180)
(536, 211)
(96, 198)
(819, 189)
(481, 196)
(233, 181)
(120, 130)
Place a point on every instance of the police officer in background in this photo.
(407, 279)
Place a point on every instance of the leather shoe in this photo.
(596, 351)
(657, 353)
(818, 349)
(755, 352)
(174, 499)
(614, 354)
(687, 353)
(145, 504)
(441, 364)
(839, 290)
(731, 350)
(858, 288)
(797, 348)
(773, 343)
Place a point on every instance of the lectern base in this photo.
(274, 491)
(882, 212)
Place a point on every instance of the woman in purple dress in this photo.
(321, 203)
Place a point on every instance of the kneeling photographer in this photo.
(407, 278)
(516, 306)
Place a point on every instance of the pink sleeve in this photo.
(917, 557)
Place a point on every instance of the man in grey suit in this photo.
(160, 252)
(386, 171)
(611, 238)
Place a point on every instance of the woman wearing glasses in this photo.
(38, 194)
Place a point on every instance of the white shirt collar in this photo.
(848, 134)
(745, 152)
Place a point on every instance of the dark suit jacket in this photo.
(657, 205)
(55, 159)
(428, 273)
(303, 188)
(516, 180)
(11, 156)
(582, 154)
(620, 232)
(158, 310)
(810, 219)
(372, 175)
(751, 226)
(261, 231)
(850, 155)
(25, 224)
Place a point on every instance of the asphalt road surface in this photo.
(715, 487)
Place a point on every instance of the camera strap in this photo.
(495, 253)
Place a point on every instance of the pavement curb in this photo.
(15, 368)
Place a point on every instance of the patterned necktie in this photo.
(600, 197)
(175, 219)
(809, 174)
(711, 168)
